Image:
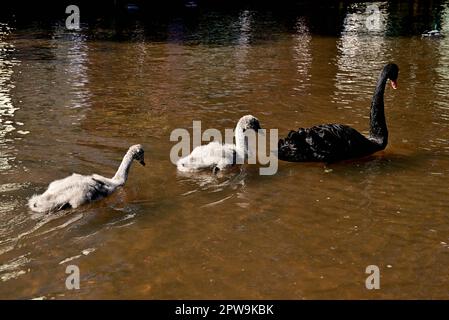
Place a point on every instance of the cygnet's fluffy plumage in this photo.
(75, 190)
(217, 156)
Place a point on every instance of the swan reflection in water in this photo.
(233, 178)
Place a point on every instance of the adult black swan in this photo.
(334, 142)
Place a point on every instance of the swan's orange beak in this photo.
(394, 84)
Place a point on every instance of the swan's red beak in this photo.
(394, 84)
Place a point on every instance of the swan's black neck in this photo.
(378, 130)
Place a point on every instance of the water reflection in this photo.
(14, 268)
(221, 187)
(72, 49)
(362, 51)
(245, 21)
(442, 68)
(439, 83)
(302, 55)
(207, 181)
(242, 47)
(7, 109)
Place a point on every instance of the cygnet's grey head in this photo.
(249, 122)
(137, 153)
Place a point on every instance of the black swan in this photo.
(334, 142)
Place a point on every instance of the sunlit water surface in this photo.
(69, 103)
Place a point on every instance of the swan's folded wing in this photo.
(329, 142)
(208, 156)
(57, 185)
(100, 188)
(83, 189)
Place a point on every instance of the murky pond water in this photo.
(74, 102)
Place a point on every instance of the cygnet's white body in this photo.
(219, 156)
(75, 190)
(212, 155)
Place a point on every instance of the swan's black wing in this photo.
(326, 143)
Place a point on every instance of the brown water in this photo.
(69, 103)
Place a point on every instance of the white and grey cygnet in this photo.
(77, 189)
(218, 156)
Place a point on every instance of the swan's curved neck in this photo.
(122, 173)
(378, 125)
(241, 143)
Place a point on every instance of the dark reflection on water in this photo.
(74, 101)
(214, 22)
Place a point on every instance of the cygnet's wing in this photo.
(208, 156)
(57, 185)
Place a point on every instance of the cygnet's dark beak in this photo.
(142, 162)
(258, 129)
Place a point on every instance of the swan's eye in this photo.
(244, 130)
